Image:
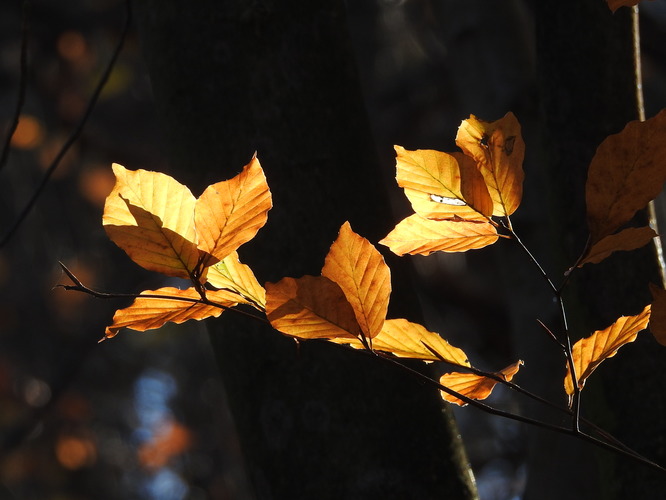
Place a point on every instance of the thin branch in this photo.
(23, 81)
(76, 133)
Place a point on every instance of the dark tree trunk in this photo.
(278, 77)
(586, 92)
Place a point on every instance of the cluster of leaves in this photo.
(462, 201)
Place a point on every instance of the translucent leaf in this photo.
(151, 217)
(588, 353)
(418, 236)
(474, 386)
(630, 238)
(409, 340)
(658, 314)
(434, 182)
(627, 171)
(229, 213)
(231, 274)
(499, 150)
(148, 313)
(365, 279)
(310, 307)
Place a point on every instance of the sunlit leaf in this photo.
(627, 171)
(588, 353)
(474, 386)
(409, 340)
(151, 217)
(434, 183)
(231, 274)
(499, 150)
(365, 279)
(231, 212)
(630, 238)
(418, 236)
(310, 307)
(148, 313)
(658, 314)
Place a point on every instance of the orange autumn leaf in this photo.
(626, 173)
(409, 340)
(231, 274)
(418, 236)
(630, 238)
(499, 150)
(439, 186)
(310, 307)
(658, 314)
(229, 213)
(588, 353)
(362, 275)
(474, 386)
(613, 5)
(148, 312)
(151, 217)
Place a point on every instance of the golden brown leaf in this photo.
(148, 313)
(151, 217)
(310, 307)
(499, 150)
(474, 386)
(418, 236)
(409, 340)
(231, 212)
(588, 353)
(434, 181)
(231, 274)
(628, 239)
(658, 314)
(365, 279)
(626, 172)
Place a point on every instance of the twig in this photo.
(76, 133)
(23, 81)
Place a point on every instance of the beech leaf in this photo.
(630, 238)
(151, 217)
(588, 353)
(439, 187)
(409, 340)
(418, 236)
(148, 313)
(658, 314)
(626, 173)
(365, 279)
(474, 386)
(229, 213)
(310, 307)
(231, 274)
(499, 150)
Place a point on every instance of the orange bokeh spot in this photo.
(75, 452)
(96, 182)
(29, 133)
(72, 46)
(170, 440)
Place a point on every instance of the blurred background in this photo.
(143, 415)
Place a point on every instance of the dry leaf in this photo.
(231, 274)
(409, 340)
(310, 307)
(365, 279)
(151, 217)
(418, 236)
(499, 150)
(474, 386)
(626, 172)
(433, 183)
(229, 213)
(148, 313)
(628, 239)
(658, 314)
(588, 353)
